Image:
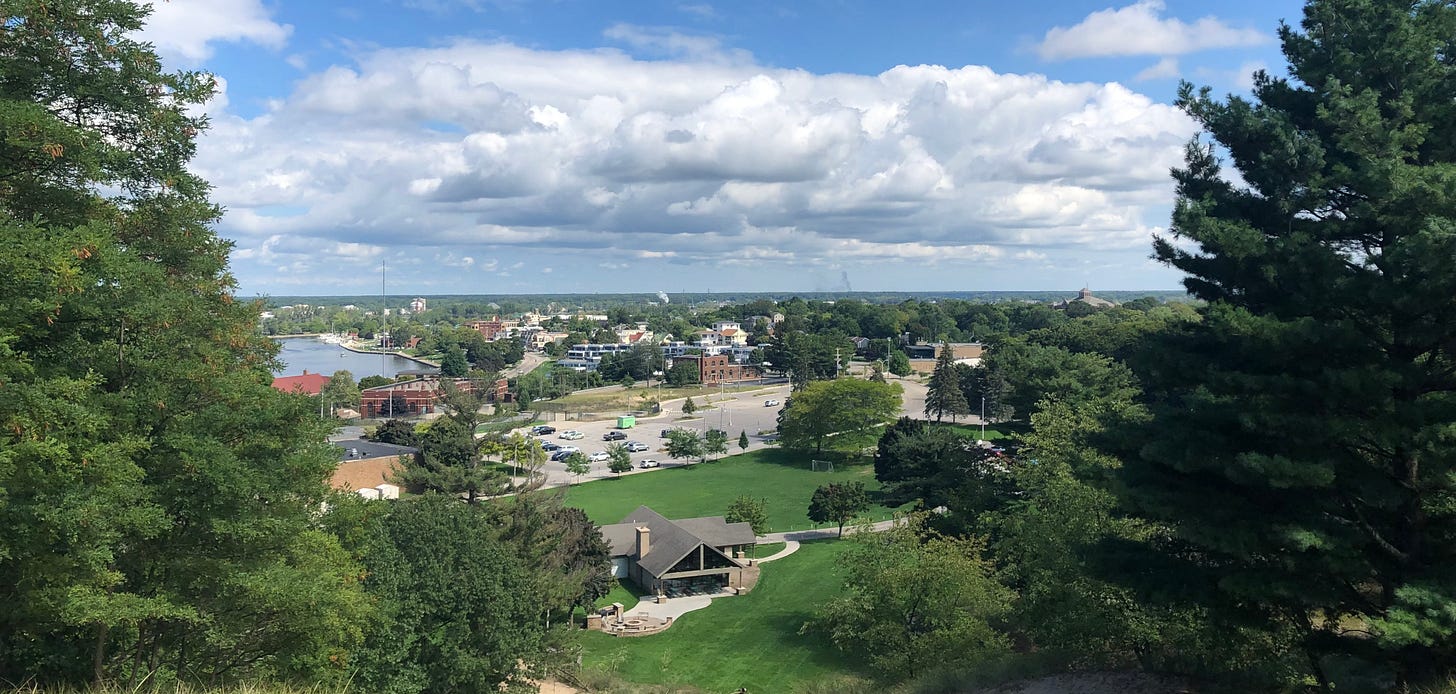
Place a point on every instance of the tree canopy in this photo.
(1298, 454)
(844, 414)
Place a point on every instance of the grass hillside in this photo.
(750, 641)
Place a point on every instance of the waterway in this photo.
(311, 354)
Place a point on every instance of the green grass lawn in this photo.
(750, 641)
(782, 478)
(767, 549)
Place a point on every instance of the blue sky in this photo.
(503, 146)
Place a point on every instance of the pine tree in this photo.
(1299, 457)
(944, 396)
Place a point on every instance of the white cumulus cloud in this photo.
(184, 30)
(425, 157)
(1140, 29)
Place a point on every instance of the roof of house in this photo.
(670, 540)
(310, 384)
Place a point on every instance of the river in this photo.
(310, 354)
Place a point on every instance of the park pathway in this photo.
(819, 534)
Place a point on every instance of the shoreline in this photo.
(401, 355)
(356, 350)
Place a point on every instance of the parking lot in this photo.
(731, 412)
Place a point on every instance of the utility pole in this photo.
(983, 418)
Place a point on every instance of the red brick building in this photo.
(418, 396)
(488, 328)
(720, 369)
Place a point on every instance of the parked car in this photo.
(649, 464)
(770, 403)
(599, 457)
(548, 446)
(540, 429)
(614, 436)
(564, 451)
(570, 435)
(637, 447)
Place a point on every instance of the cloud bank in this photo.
(494, 152)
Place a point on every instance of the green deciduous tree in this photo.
(897, 363)
(683, 373)
(715, 442)
(838, 502)
(340, 390)
(577, 465)
(620, 459)
(454, 364)
(395, 431)
(159, 498)
(1299, 454)
(750, 510)
(844, 414)
(459, 608)
(684, 445)
(913, 603)
(944, 395)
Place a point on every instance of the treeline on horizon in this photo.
(520, 303)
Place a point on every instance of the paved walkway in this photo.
(789, 548)
(820, 534)
(672, 608)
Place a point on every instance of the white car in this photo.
(637, 447)
(599, 457)
(570, 435)
(649, 464)
(770, 403)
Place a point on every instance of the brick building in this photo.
(718, 368)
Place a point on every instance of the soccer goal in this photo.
(821, 465)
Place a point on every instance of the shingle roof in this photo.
(307, 383)
(670, 541)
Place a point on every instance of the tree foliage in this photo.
(620, 459)
(159, 496)
(683, 444)
(459, 607)
(944, 395)
(913, 603)
(750, 510)
(1299, 454)
(844, 414)
(341, 390)
(838, 502)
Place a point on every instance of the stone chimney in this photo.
(644, 540)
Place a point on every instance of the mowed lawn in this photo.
(782, 478)
(750, 641)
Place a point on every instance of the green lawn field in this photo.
(750, 641)
(782, 478)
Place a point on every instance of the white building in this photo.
(417, 305)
